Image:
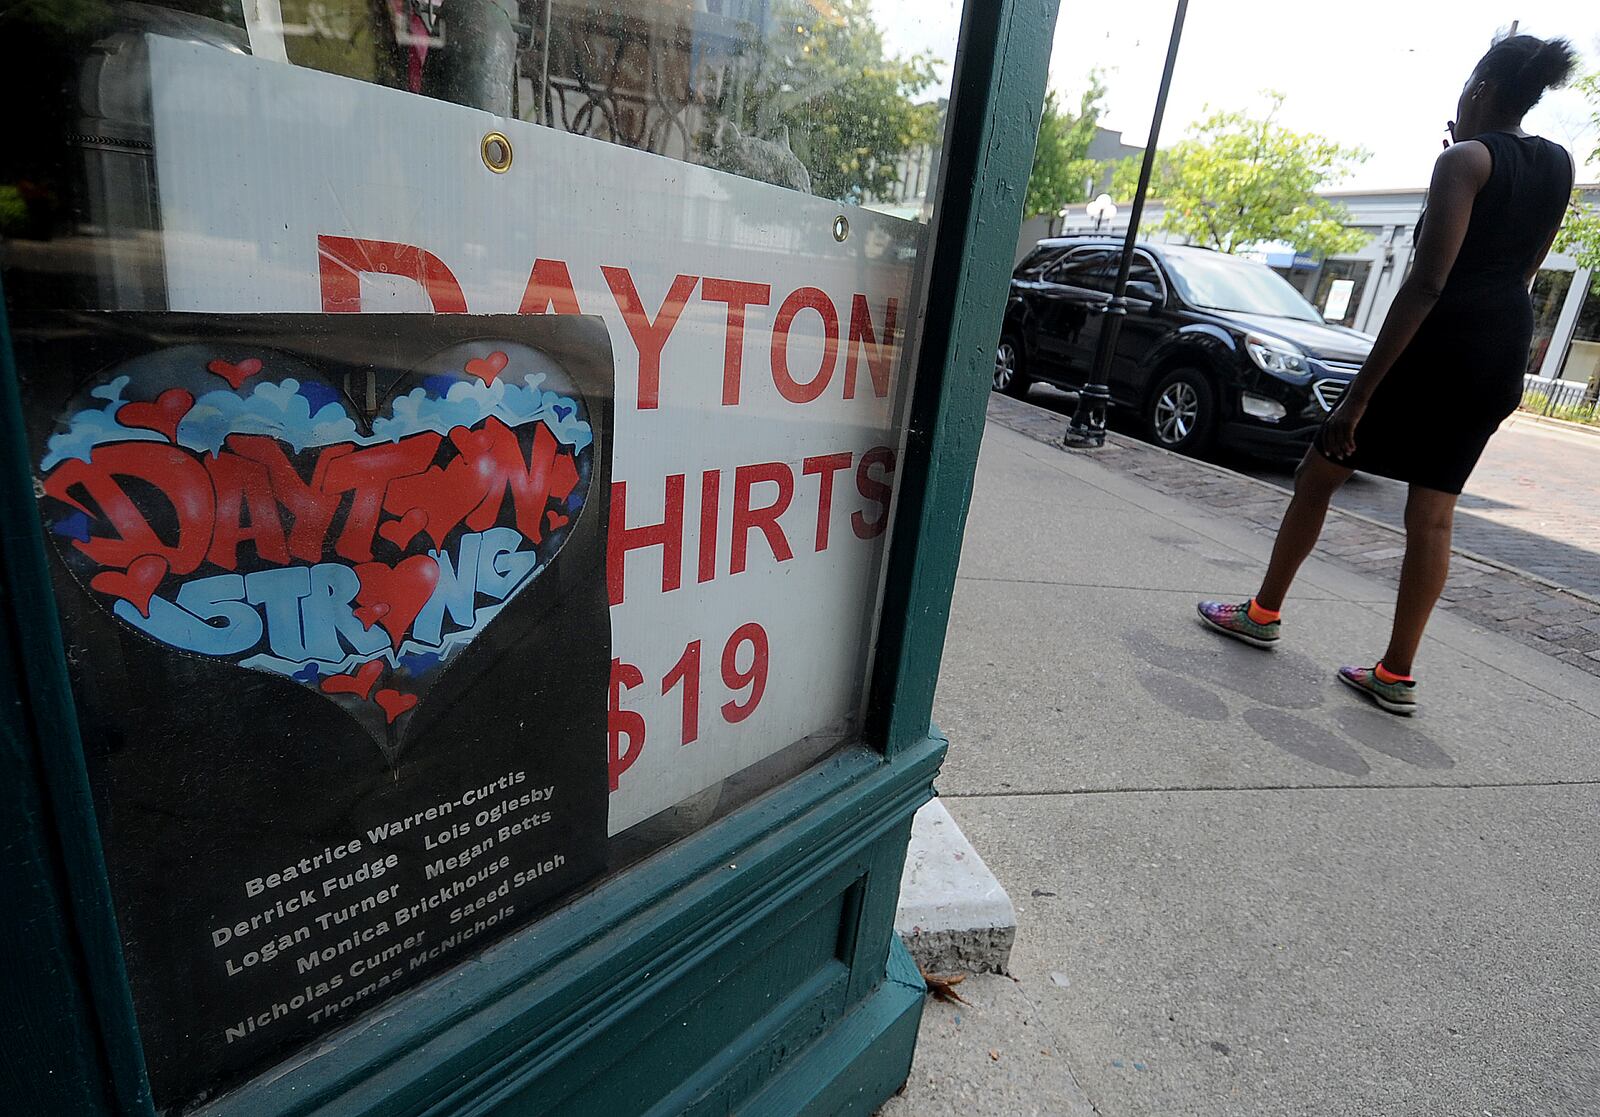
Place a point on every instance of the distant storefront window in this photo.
(1582, 362)
(1340, 287)
(1550, 288)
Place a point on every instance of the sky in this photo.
(1380, 74)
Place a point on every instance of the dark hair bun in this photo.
(1549, 66)
(1522, 67)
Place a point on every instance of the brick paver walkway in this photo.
(1532, 503)
(1534, 610)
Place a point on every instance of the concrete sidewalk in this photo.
(1240, 890)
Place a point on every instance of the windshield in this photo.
(1219, 282)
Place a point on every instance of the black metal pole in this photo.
(478, 67)
(1088, 427)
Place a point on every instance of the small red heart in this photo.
(556, 520)
(394, 703)
(137, 585)
(235, 374)
(471, 443)
(370, 615)
(162, 416)
(402, 531)
(487, 368)
(359, 684)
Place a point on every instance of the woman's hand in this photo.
(1341, 434)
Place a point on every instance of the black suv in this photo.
(1213, 346)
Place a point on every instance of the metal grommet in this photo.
(841, 228)
(496, 152)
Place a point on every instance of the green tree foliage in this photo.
(1238, 180)
(848, 108)
(1580, 232)
(13, 211)
(1163, 176)
(1061, 163)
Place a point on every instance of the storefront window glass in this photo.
(1582, 364)
(1340, 287)
(466, 433)
(1550, 289)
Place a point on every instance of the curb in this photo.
(953, 914)
(1557, 424)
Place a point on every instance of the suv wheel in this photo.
(1008, 375)
(1183, 412)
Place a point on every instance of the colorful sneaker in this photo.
(1234, 620)
(1397, 697)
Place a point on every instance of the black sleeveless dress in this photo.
(1461, 376)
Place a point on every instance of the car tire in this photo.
(1009, 377)
(1182, 413)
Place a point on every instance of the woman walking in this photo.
(1448, 363)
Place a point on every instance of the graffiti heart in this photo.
(242, 507)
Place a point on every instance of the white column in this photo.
(1566, 324)
(1372, 254)
(263, 24)
(1387, 283)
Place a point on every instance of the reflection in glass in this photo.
(792, 92)
(734, 187)
(798, 94)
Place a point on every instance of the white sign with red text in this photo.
(759, 360)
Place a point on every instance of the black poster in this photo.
(333, 595)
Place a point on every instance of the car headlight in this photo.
(1274, 355)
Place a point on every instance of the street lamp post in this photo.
(1102, 209)
(1088, 427)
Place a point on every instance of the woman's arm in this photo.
(1537, 264)
(1459, 174)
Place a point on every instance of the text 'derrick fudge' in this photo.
(340, 921)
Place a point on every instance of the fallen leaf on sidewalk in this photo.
(942, 987)
(994, 1055)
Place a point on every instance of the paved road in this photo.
(1534, 502)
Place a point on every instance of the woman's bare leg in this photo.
(1430, 516)
(1315, 482)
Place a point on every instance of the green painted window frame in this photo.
(71, 1035)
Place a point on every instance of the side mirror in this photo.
(1148, 292)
